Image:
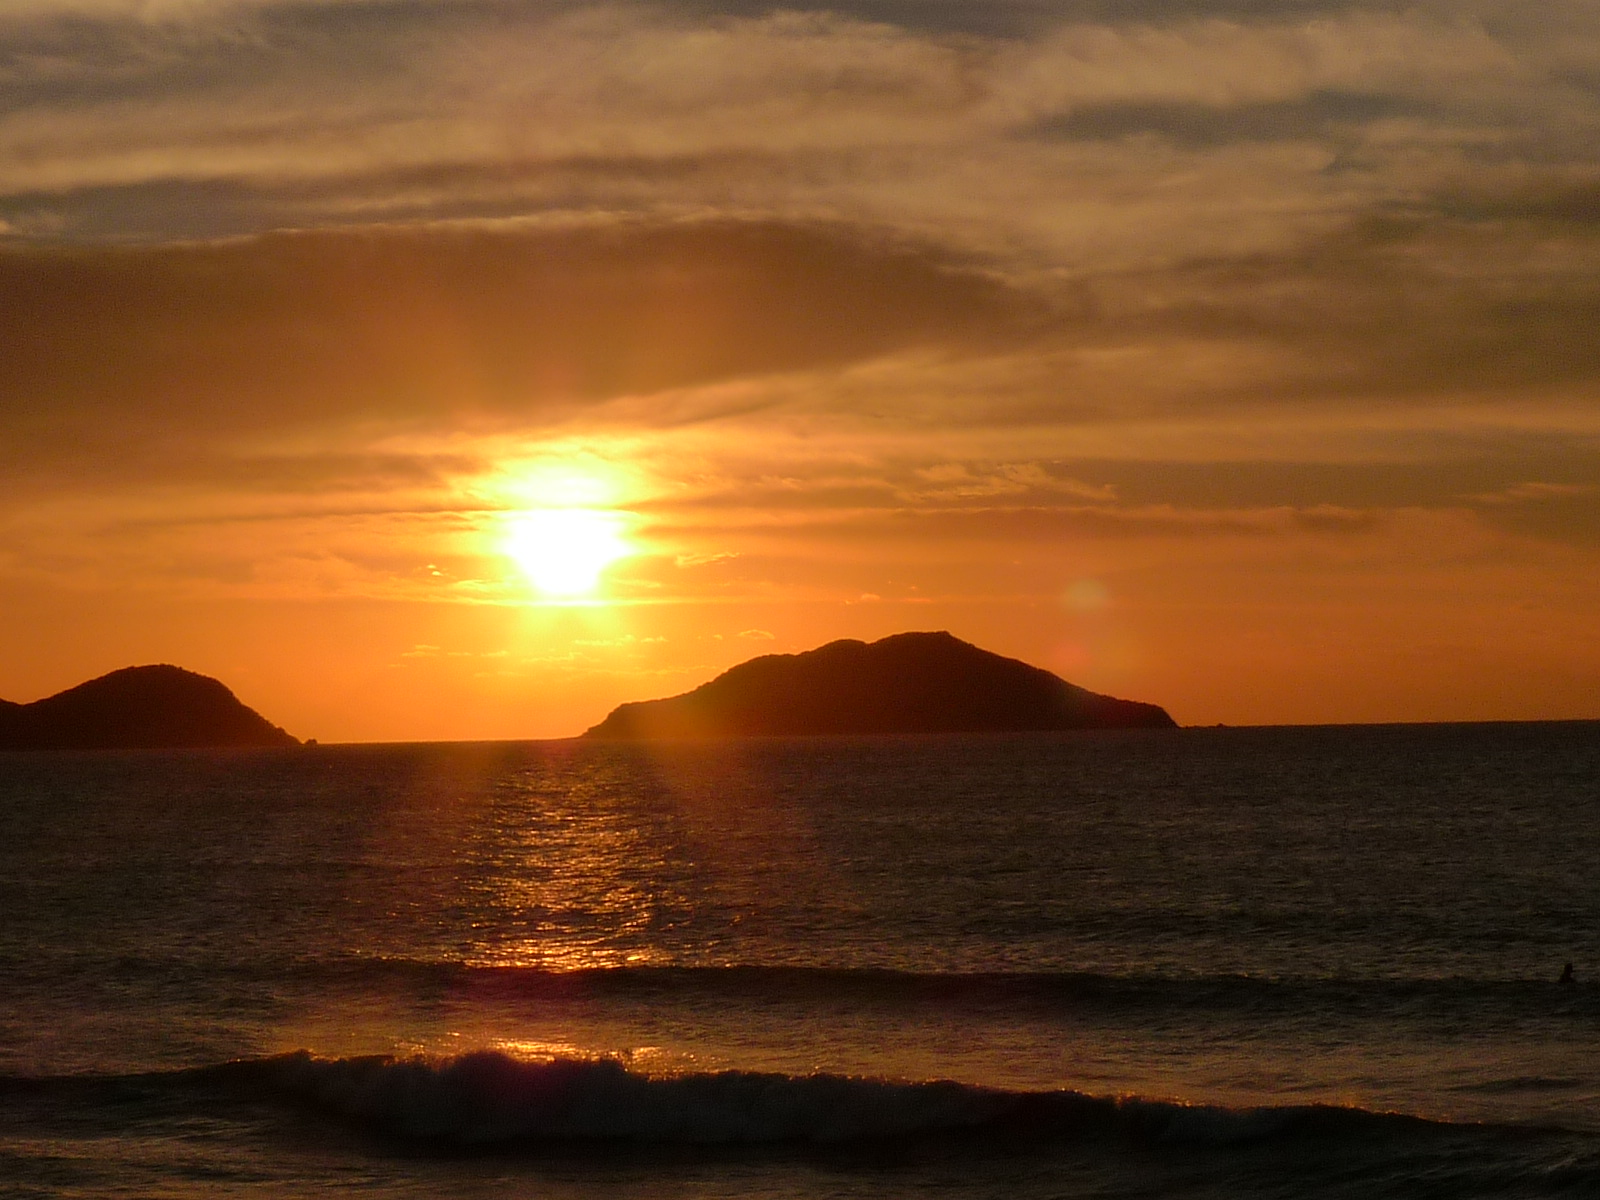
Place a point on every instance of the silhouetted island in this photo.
(908, 683)
(138, 708)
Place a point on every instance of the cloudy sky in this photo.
(462, 368)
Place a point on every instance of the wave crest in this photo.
(487, 1098)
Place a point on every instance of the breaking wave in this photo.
(487, 1099)
(592, 1114)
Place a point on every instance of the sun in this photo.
(564, 516)
(565, 551)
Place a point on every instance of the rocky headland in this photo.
(138, 708)
(907, 683)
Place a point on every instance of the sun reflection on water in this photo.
(572, 887)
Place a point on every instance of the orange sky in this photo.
(458, 370)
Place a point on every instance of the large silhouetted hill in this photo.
(908, 683)
(138, 708)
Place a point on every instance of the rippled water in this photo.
(537, 952)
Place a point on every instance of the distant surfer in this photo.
(1566, 975)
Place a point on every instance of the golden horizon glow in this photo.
(1207, 361)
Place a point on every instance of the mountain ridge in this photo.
(153, 707)
(919, 682)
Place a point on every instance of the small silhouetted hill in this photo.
(908, 683)
(138, 708)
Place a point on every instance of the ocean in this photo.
(1230, 963)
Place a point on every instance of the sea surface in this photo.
(1230, 963)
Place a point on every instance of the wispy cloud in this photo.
(1098, 136)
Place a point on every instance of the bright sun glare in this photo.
(565, 522)
(564, 551)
